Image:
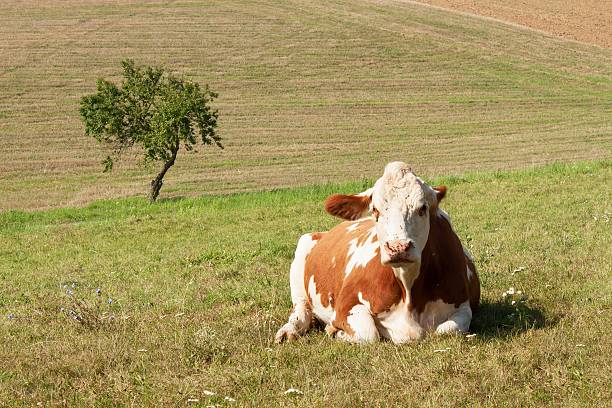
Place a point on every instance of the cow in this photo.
(395, 269)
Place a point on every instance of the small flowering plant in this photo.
(517, 300)
(514, 296)
(87, 306)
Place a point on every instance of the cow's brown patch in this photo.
(376, 283)
(443, 267)
(315, 236)
(473, 286)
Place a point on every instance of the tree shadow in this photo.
(502, 319)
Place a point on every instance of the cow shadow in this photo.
(502, 319)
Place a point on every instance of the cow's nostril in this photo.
(397, 246)
(406, 246)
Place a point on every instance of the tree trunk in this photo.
(157, 182)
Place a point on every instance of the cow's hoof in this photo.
(330, 330)
(448, 327)
(287, 332)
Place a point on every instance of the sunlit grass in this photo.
(124, 303)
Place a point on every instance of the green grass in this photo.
(200, 285)
(310, 92)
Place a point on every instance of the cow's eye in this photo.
(423, 210)
(375, 213)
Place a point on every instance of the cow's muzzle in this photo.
(400, 251)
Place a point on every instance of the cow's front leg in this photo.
(399, 326)
(299, 323)
(359, 326)
(300, 319)
(458, 322)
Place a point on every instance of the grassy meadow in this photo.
(108, 301)
(122, 303)
(310, 92)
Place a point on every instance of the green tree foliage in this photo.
(153, 110)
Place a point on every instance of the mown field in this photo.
(122, 303)
(310, 92)
(589, 21)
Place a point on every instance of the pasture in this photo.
(310, 92)
(106, 300)
(200, 285)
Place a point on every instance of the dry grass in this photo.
(588, 21)
(309, 92)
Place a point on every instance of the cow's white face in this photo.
(400, 204)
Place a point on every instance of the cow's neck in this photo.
(407, 275)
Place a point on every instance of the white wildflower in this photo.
(208, 393)
(293, 391)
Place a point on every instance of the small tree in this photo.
(153, 110)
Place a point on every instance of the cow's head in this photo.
(400, 204)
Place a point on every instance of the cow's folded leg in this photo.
(408, 331)
(299, 323)
(360, 326)
(458, 322)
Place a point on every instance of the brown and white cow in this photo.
(395, 270)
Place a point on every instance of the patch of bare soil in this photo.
(587, 21)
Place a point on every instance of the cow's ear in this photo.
(440, 192)
(348, 207)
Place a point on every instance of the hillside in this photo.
(310, 92)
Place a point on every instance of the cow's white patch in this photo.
(361, 255)
(361, 321)
(296, 274)
(469, 272)
(353, 226)
(445, 317)
(468, 255)
(398, 324)
(321, 312)
(459, 322)
(364, 302)
(435, 313)
(407, 275)
(300, 318)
